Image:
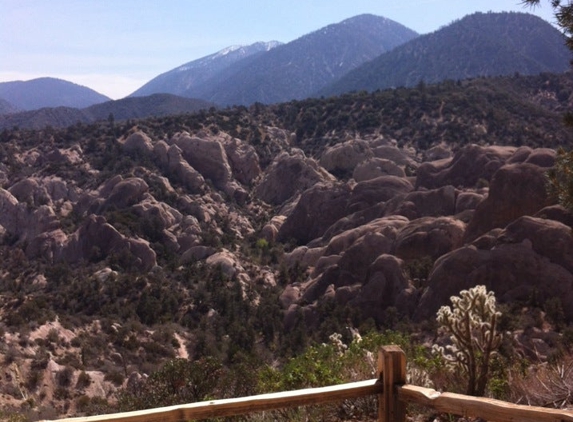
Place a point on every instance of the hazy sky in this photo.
(115, 46)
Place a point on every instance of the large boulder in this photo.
(375, 167)
(515, 190)
(138, 142)
(207, 156)
(243, 159)
(465, 169)
(514, 272)
(289, 175)
(397, 155)
(341, 159)
(317, 209)
(386, 286)
(96, 239)
(370, 192)
(424, 203)
(429, 236)
(30, 192)
(126, 193)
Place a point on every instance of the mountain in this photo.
(49, 92)
(305, 65)
(482, 44)
(6, 107)
(156, 105)
(184, 79)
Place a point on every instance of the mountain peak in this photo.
(185, 79)
(49, 92)
(480, 44)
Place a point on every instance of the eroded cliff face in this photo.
(364, 225)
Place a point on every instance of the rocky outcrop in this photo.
(344, 157)
(126, 193)
(317, 209)
(429, 236)
(138, 142)
(515, 190)
(288, 175)
(243, 159)
(514, 272)
(465, 169)
(96, 238)
(423, 203)
(376, 167)
(207, 156)
(371, 192)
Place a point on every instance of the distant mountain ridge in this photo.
(185, 79)
(299, 68)
(481, 44)
(157, 105)
(49, 92)
(7, 107)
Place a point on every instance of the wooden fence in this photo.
(390, 386)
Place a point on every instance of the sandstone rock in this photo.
(197, 253)
(60, 190)
(425, 203)
(394, 154)
(30, 192)
(236, 191)
(355, 219)
(557, 213)
(158, 214)
(288, 175)
(468, 165)
(318, 208)
(126, 193)
(227, 261)
(303, 256)
(138, 142)
(270, 230)
(514, 272)
(48, 245)
(387, 226)
(438, 152)
(183, 171)
(468, 201)
(289, 296)
(429, 236)
(356, 259)
(376, 167)
(370, 192)
(386, 286)
(96, 238)
(207, 156)
(243, 159)
(69, 156)
(548, 238)
(515, 190)
(343, 158)
(542, 157)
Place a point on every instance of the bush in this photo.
(472, 326)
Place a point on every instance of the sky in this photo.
(116, 46)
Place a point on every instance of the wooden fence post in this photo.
(392, 372)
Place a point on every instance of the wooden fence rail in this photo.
(390, 386)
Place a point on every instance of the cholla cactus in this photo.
(472, 326)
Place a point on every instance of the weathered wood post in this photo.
(392, 372)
